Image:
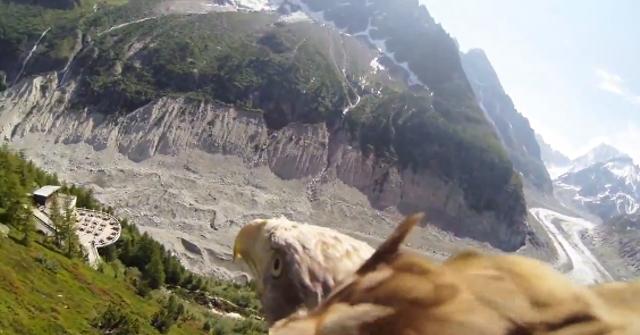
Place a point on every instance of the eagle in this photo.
(396, 291)
(296, 265)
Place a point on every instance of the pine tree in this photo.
(154, 271)
(14, 204)
(126, 252)
(25, 225)
(108, 253)
(173, 270)
(57, 220)
(168, 315)
(71, 238)
(117, 322)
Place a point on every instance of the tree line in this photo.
(19, 177)
(148, 264)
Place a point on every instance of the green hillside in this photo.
(43, 292)
(140, 288)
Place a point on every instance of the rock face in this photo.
(621, 236)
(555, 161)
(168, 126)
(324, 92)
(513, 128)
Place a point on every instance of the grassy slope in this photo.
(44, 292)
(36, 300)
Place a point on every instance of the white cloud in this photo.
(613, 83)
(610, 82)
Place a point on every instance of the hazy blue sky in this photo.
(571, 66)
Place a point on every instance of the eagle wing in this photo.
(397, 292)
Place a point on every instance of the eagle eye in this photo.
(276, 267)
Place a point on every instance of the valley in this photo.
(181, 121)
(566, 233)
(196, 208)
(194, 117)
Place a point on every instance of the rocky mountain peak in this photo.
(607, 189)
(601, 153)
(485, 74)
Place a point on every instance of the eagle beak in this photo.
(236, 252)
(247, 239)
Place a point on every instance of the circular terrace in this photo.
(97, 228)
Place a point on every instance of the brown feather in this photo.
(469, 294)
(623, 296)
(391, 246)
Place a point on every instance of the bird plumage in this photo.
(399, 292)
(312, 260)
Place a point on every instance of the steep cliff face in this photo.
(556, 162)
(168, 126)
(355, 101)
(513, 128)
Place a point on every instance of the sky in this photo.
(572, 67)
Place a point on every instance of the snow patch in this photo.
(30, 54)
(625, 171)
(625, 204)
(352, 105)
(376, 66)
(568, 187)
(295, 17)
(379, 44)
(257, 5)
(120, 26)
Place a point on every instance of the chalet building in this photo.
(44, 198)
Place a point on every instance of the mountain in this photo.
(606, 189)
(556, 162)
(624, 233)
(513, 129)
(599, 154)
(620, 237)
(349, 98)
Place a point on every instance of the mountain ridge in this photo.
(288, 74)
(598, 154)
(607, 189)
(513, 129)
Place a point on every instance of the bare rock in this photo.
(191, 247)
